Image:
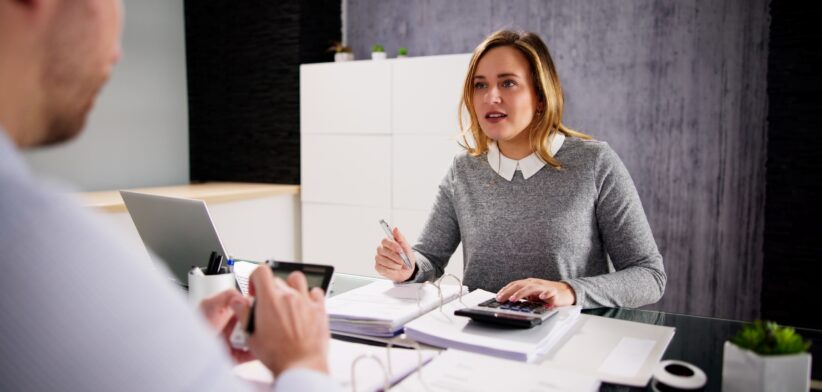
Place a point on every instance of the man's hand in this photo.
(221, 318)
(290, 323)
(550, 292)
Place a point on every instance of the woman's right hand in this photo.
(388, 261)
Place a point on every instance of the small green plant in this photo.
(769, 338)
(402, 52)
(377, 48)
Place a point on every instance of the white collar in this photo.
(529, 165)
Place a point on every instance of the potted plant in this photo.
(402, 53)
(764, 356)
(341, 52)
(377, 52)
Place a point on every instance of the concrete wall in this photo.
(678, 89)
(137, 134)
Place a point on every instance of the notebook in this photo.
(455, 370)
(444, 329)
(382, 308)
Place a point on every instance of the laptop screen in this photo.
(178, 232)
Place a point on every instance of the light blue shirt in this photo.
(81, 313)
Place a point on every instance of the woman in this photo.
(539, 208)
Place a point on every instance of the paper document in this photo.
(242, 272)
(616, 351)
(444, 329)
(461, 371)
(627, 357)
(382, 308)
(340, 357)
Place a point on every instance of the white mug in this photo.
(203, 286)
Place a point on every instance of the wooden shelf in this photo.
(211, 192)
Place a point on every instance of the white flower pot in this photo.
(744, 370)
(378, 56)
(343, 56)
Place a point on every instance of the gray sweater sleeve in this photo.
(639, 278)
(441, 234)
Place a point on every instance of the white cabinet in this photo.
(426, 93)
(345, 98)
(377, 139)
(346, 169)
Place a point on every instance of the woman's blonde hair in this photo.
(547, 122)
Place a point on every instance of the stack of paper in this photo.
(462, 371)
(370, 376)
(443, 329)
(382, 308)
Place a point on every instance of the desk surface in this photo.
(698, 340)
(211, 192)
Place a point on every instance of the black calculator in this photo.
(518, 314)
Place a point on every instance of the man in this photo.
(79, 313)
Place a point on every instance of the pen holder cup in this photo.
(203, 286)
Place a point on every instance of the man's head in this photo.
(63, 52)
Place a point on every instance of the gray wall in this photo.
(678, 89)
(137, 134)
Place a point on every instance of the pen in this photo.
(210, 266)
(218, 264)
(387, 229)
(249, 328)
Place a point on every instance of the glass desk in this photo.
(697, 340)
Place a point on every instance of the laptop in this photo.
(178, 232)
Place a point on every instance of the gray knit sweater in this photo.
(560, 225)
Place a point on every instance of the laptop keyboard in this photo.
(519, 306)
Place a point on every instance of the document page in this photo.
(370, 374)
(242, 272)
(461, 371)
(616, 351)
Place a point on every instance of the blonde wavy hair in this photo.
(546, 122)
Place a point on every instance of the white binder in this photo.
(441, 328)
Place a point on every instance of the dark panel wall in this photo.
(243, 83)
(676, 87)
(793, 212)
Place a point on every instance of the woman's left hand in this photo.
(550, 292)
